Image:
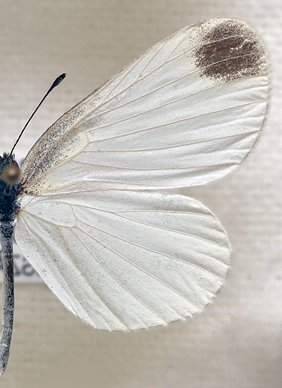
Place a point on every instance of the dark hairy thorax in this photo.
(9, 188)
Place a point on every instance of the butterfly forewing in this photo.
(184, 113)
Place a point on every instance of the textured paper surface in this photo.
(236, 341)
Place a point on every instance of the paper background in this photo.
(236, 341)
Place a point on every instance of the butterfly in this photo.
(117, 253)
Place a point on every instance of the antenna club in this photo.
(62, 76)
(58, 80)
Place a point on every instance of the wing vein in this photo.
(147, 64)
(134, 265)
(175, 48)
(129, 242)
(110, 274)
(160, 106)
(172, 231)
(155, 169)
(81, 273)
(170, 60)
(33, 232)
(154, 251)
(156, 227)
(170, 123)
(198, 70)
(171, 146)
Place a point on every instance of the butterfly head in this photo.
(9, 170)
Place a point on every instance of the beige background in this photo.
(236, 341)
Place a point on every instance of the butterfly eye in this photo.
(11, 174)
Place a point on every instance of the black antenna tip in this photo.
(58, 80)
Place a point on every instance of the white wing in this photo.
(184, 113)
(125, 260)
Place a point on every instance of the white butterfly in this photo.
(186, 112)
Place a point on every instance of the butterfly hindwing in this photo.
(125, 260)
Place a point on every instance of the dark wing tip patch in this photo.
(230, 50)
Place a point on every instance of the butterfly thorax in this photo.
(9, 188)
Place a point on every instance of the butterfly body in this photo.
(9, 207)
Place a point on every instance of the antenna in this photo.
(57, 81)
